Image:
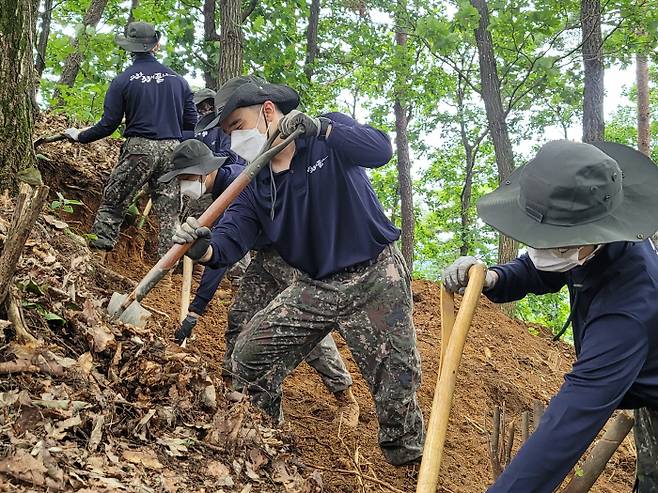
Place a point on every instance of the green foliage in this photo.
(64, 204)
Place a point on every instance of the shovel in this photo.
(49, 139)
(127, 307)
(451, 354)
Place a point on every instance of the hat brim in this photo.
(286, 98)
(206, 122)
(204, 167)
(135, 47)
(634, 219)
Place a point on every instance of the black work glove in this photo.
(192, 232)
(185, 330)
(289, 123)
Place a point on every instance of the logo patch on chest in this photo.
(318, 165)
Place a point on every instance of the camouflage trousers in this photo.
(372, 308)
(646, 443)
(142, 162)
(266, 276)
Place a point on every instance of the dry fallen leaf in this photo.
(54, 222)
(145, 457)
(23, 466)
(101, 337)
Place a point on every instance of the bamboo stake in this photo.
(428, 476)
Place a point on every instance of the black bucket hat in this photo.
(192, 157)
(202, 94)
(141, 37)
(575, 194)
(247, 91)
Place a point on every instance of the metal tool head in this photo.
(135, 314)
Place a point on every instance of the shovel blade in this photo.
(135, 314)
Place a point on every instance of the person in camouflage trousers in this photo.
(141, 162)
(371, 308)
(646, 443)
(158, 106)
(265, 278)
(316, 206)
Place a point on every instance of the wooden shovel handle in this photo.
(447, 321)
(428, 476)
(188, 268)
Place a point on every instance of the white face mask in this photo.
(554, 260)
(192, 188)
(248, 143)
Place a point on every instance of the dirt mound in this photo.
(126, 377)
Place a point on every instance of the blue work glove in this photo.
(289, 123)
(185, 329)
(192, 232)
(455, 276)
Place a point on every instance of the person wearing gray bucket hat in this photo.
(586, 213)
(317, 207)
(140, 37)
(158, 106)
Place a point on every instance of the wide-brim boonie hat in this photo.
(202, 94)
(192, 157)
(141, 37)
(247, 91)
(574, 194)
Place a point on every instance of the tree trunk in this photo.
(312, 38)
(230, 40)
(72, 64)
(507, 248)
(643, 134)
(16, 88)
(465, 198)
(593, 119)
(42, 44)
(404, 162)
(210, 36)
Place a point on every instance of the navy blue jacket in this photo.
(615, 329)
(215, 139)
(326, 214)
(156, 101)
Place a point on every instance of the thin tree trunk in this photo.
(643, 134)
(230, 40)
(72, 64)
(312, 39)
(16, 88)
(210, 36)
(507, 248)
(465, 198)
(42, 44)
(404, 161)
(593, 119)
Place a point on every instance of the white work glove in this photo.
(72, 134)
(289, 123)
(192, 232)
(455, 277)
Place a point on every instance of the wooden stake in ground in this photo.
(428, 476)
(595, 463)
(188, 267)
(28, 206)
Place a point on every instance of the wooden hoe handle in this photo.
(451, 354)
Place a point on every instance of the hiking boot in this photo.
(348, 408)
